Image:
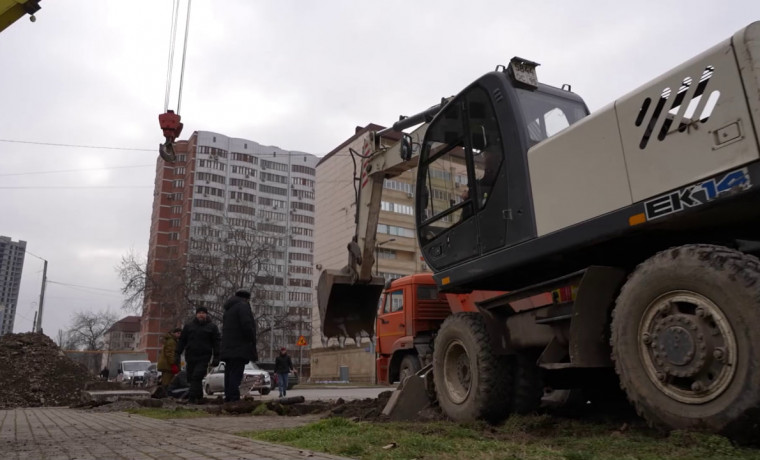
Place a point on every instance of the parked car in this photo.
(134, 372)
(252, 375)
(269, 366)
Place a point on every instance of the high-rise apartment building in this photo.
(397, 252)
(11, 265)
(230, 214)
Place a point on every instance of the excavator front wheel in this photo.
(470, 381)
(684, 341)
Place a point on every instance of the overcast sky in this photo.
(296, 74)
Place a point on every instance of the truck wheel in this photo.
(409, 366)
(528, 383)
(684, 341)
(470, 381)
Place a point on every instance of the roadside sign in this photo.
(301, 341)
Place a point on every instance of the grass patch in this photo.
(524, 438)
(165, 414)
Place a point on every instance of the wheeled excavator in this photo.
(649, 207)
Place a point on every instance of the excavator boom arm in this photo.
(348, 298)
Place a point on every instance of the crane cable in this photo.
(172, 47)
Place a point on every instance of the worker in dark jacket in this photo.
(200, 341)
(238, 342)
(282, 367)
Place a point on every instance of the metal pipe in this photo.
(408, 122)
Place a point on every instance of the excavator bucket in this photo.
(347, 307)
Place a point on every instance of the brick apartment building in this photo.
(219, 184)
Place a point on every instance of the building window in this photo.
(266, 164)
(395, 231)
(304, 170)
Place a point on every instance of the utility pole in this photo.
(42, 298)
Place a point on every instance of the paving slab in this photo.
(57, 433)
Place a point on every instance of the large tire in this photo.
(684, 341)
(470, 381)
(409, 366)
(528, 383)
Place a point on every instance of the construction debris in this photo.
(35, 372)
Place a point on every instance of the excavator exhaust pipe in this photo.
(348, 308)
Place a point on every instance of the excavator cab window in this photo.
(545, 114)
(462, 159)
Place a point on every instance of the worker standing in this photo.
(238, 342)
(282, 367)
(200, 341)
(166, 361)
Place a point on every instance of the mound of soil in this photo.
(35, 372)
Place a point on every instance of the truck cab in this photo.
(411, 310)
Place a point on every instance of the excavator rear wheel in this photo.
(684, 341)
(470, 381)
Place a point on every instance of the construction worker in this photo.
(166, 360)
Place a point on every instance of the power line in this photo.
(82, 286)
(29, 173)
(83, 146)
(73, 187)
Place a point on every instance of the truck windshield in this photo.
(547, 114)
(136, 365)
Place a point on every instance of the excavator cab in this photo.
(473, 188)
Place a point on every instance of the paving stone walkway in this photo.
(56, 433)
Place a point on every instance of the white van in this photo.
(134, 372)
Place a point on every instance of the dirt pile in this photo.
(35, 372)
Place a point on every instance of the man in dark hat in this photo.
(199, 340)
(238, 342)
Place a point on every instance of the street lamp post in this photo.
(377, 246)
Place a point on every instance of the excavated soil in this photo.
(35, 372)
(368, 409)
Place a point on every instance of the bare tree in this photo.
(168, 287)
(87, 330)
(222, 258)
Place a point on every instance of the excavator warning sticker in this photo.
(697, 194)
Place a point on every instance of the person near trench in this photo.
(200, 341)
(166, 360)
(238, 342)
(282, 367)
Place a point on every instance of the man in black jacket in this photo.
(238, 342)
(282, 367)
(200, 341)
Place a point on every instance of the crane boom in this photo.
(13, 10)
